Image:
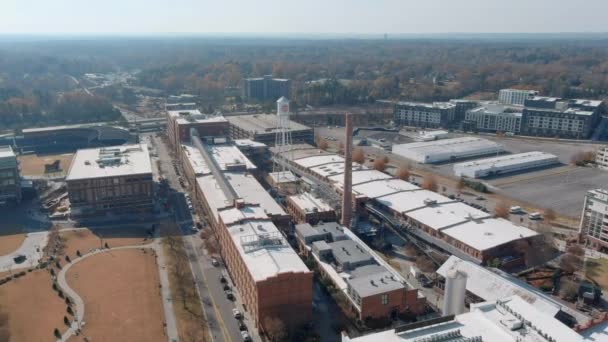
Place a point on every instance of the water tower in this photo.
(282, 144)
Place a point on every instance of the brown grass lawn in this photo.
(86, 239)
(34, 309)
(121, 294)
(10, 243)
(33, 165)
(597, 270)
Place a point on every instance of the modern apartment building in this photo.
(556, 117)
(594, 219)
(515, 96)
(492, 117)
(10, 189)
(425, 115)
(266, 88)
(373, 288)
(111, 179)
(183, 117)
(601, 158)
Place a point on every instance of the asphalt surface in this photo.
(218, 309)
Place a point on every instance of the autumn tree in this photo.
(379, 165)
(549, 215)
(540, 249)
(403, 173)
(429, 183)
(502, 210)
(425, 264)
(358, 156)
(460, 185)
(322, 144)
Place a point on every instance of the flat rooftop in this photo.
(228, 156)
(110, 162)
(384, 187)
(7, 152)
(249, 143)
(249, 189)
(263, 248)
(454, 145)
(262, 123)
(507, 160)
(440, 105)
(309, 203)
(496, 109)
(404, 202)
(190, 116)
(62, 127)
(282, 177)
(488, 233)
(446, 215)
(196, 160)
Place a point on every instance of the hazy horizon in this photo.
(275, 17)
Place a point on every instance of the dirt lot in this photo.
(34, 309)
(10, 243)
(121, 293)
(33, 165)
(86, 239)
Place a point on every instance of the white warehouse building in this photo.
(504, 164)
(447, 149)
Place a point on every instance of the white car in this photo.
(237, 314)
(246, 336)
(214, 262)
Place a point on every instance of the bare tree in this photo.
(502, 210)
(549, 215)
(403, 174)
(358, 156)
(425, 264)
(275, 329)
(322, 143)
(460, 185)
(379, 165)
(568, 291)
(430, 183)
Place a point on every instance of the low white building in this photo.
(447, 149)
(504, 164)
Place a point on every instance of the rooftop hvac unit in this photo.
(429, 201)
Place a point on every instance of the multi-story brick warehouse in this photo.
(373, 289)
(10, 189)
(308, 208)
(111, 179)
(556, 117)
(182, 117)
(264, 127)
(426, 115)
(594, 219)
(270, 276)
(266, 88)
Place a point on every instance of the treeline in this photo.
(66, 108)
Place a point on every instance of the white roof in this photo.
(248, 142)
(283, 177)
(229, 155)
(196, 160)
(250, 190)
(407, 201)
(446, 149)
(361, 176)
(308, 203)
(189, 116)
(490, 321)
(384, 187)
(6, 152)
(249, 233)
(445, 215)
(319, 160)
(505, 161)
(488, 233)
(214, 195)
(334, 169)
(491, 286)
(110, 162)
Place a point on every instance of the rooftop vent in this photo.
(429, 202)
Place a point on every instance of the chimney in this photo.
(347, 203)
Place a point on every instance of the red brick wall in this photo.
(204, 129)
(398, 300)
(287, 297)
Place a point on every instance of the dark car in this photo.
(425, 282)
(242, 326)
(223, 279)
(230, 295)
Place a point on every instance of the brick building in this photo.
(306, 208)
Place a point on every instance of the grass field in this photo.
(86, 239)
(121, 294)
(33, 165)
(10, 243)
(34, 309)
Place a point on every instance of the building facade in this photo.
(601, 158)
(266, 88)
(594, 219)
(306, 208)
(111, 179)
(425, 115)
(10, 189)
(182, 118)
(515, 96)
(556, 117)
(495, 118)
(263, 128)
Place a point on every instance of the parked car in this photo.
(245, 336)
(223, 279)
(230, 295)
(242, 326)
(226, 287)
(237, 314)
(214, 262)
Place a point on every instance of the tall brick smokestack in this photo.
(347, 202)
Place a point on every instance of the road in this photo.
(217, 308)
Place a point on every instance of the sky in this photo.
(301, 16)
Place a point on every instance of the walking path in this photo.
(171, 325)
(31, 248)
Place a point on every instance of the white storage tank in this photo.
(455, 293)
